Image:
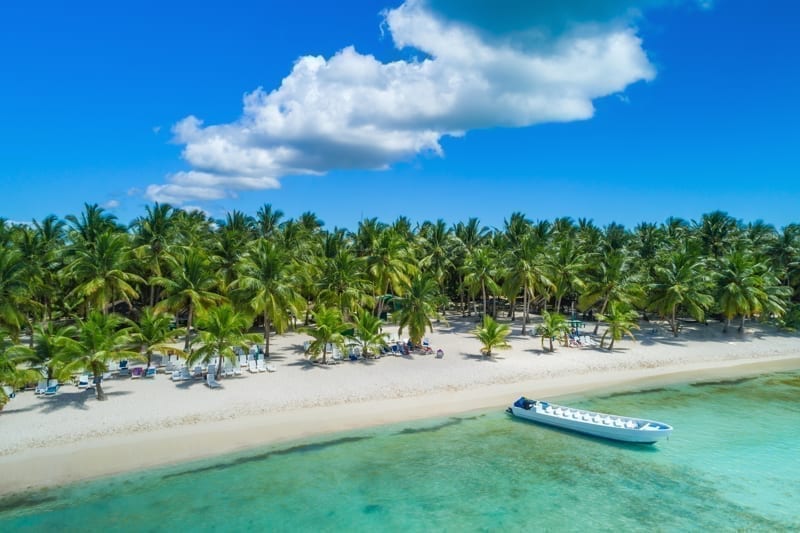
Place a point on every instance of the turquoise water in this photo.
(733, 463)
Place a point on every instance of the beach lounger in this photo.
(261, 365)
(136, 372)
(212, 382)
(251, 367)
(181, 374)
(197, 372)
(83, 381)
(150, 372)
(227, 369)
(40, 387)
(271, 368)
(52, 387)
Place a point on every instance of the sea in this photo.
(731, 464)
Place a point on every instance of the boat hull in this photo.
(619, 428)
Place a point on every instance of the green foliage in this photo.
(553, 325)
(329, 328)
(492, 335)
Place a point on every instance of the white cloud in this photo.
(111, 204)
(354, 111)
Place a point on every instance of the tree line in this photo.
(176, 267)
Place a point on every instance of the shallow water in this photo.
(732, 463)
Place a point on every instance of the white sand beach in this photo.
(46, 441)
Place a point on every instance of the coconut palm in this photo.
(152, 235)
(480, 274)
(417, 307)
(608, 280)
(153, 331)
(438, 249)
(190, 286)
(268, 220)
(526, 270)
(221, 330)
(553, 325)
(14, 293)
(389, 266)
(747, 287)
(328, 329)
(101, 339)
(103, 271)
(50, 350)
(620, 320)
(681, 279)
(716, 232)
(492, 335)
(13, 371)
(266, 283)
(93, 222)
(343, 283)
(367, 333)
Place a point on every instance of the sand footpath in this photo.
(46, 441)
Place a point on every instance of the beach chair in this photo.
(136, 372)
(9, 391)
(212, 369)
(197, 372)
(261, 365)
(251, 367)
(150, 372)
(83, 381)
(227, 369)
(211, 381)
(40, 387)
(271, 368)
(52, 387)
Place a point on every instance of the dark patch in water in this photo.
(372, 508)
(430, 429)
(25, 500)
(722, 382)
(302, 448)
(634, 393)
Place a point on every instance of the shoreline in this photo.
(41, 467)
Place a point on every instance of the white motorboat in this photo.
(621, 428)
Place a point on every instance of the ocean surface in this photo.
(732, 463)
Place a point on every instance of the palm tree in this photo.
(492, 335)
(416, 307)
(469, 236)
(268, 220)
(12, 370)
(553, 325)
(527, 271)
(221, 329)
(50, 348)
(153, 234)
(267, 284)
(103, 271)
(367, 332)
(153, 331)
(328, 329)
(480, 273)
(343, 283)
(14, 294)
(189, 286)
(438, 245)
(93, 222)
(101, 339)
(716, 232)
(747, 287)
(389, 265)
(680, 280)
(608, 281)
(621, 320)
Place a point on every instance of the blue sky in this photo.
(425, 108)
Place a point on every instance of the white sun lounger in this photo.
(212, 382)
(261, 365)
(251, 367)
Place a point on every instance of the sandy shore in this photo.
(48, 441)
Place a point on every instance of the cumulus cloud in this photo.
(111, 204)
(354, 111)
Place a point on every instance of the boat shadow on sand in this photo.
(632, 446)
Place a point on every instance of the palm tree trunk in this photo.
(558, 303)
(611, 346)
(727, 323)
(483, 291)
(267, 328)
(602, 310)
(741, 326)
(324, 353)
(674, 321)
(188, 327)
(98, 389)
(551, 344)
(524, 308)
